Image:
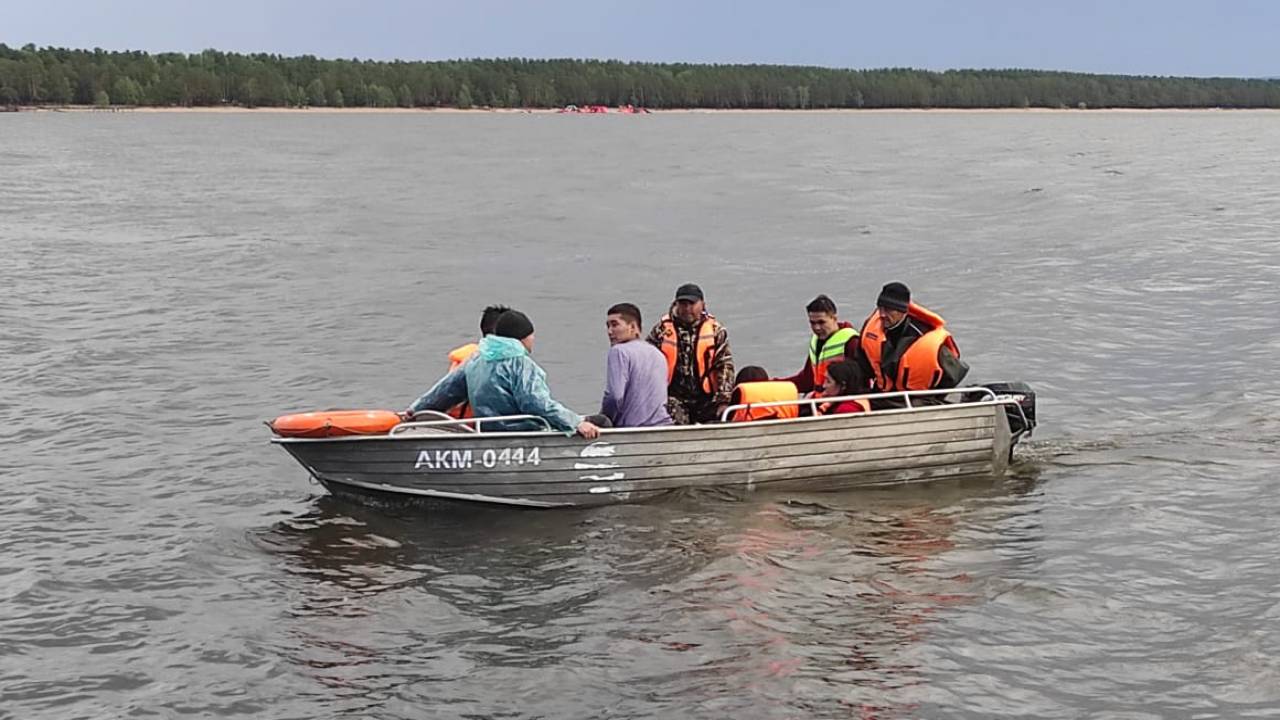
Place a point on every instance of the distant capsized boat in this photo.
(602, 110)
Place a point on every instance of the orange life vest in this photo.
(704, 350)
(457, 357)
(461, 354)
(764, 392)
(918, 368)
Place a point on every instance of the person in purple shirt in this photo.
(635, 386)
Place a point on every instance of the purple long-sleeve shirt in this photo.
(635, 386)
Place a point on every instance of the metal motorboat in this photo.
(923, 435)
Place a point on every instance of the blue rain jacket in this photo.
(500, 379)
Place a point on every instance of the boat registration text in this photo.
(468, 459)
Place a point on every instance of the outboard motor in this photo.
(1026, 407)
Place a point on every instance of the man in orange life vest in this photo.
(832, 341)
(905, 346)
(699, 363)
(463, 353)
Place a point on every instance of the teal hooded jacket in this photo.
(500, 379)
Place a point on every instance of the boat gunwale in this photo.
(714, 427)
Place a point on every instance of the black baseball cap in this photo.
(689, 291)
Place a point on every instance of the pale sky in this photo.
(1144, 37)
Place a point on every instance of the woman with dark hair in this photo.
(844, 378)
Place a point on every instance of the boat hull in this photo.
(546, 470)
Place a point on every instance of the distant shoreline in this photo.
(236, 109)
(50, 76)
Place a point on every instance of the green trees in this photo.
(315, 93)
(60, 92)
(380, 96)
(56, 76)
(126, 91)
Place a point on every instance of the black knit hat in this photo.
(513, 324)
(894, 296)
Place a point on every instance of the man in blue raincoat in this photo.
(502, 379)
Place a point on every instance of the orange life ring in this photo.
(335, 423)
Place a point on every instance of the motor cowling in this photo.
(1022, 417)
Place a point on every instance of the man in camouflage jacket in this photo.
(694, 397)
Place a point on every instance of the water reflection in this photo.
(477, 558)
(824, 600)
(775, 603)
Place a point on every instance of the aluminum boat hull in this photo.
(549, 469)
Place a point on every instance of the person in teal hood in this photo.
(502, 379)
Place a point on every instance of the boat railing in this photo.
(983, 395)
(434, 413)
(472, 424)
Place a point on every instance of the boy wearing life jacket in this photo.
(699, 363)
(832, 341)
(905, 346)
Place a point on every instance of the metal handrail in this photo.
(474, 424)
(905, 395)
(437, 413)
(446, 420)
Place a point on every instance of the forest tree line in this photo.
(58, 76)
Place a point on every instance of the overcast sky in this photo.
(1171, 37)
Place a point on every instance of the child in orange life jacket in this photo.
(752, 385)
(750, 373)
(844, 378)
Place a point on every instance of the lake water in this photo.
(168, 281)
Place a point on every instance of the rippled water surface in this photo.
(169, 281)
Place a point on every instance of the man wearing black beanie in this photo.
(515, 325)
(502, 379)
(905, 346)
